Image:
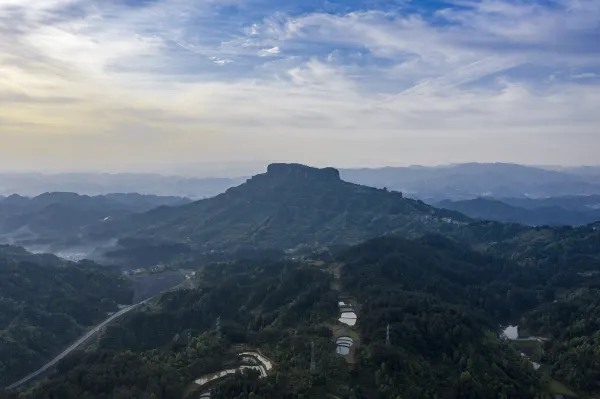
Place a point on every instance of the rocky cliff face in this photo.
(297, 171)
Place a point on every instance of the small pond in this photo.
(511, 332)
(348, 318)
(343, 345)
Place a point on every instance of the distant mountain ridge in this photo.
(287, 206)
(581, 203)
(433, 184)
(33, 184)
(473, 180)
(547, 212)
(52, 215)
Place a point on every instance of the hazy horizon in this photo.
(245, 169)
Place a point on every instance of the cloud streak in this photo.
(472, 80)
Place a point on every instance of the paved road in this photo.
(74, 346)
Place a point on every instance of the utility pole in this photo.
(387, 335)
(313, 365)
(218, 327)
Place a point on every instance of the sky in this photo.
(140, 85)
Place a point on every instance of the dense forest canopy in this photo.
(572, 325)
(46, 303)
(442, 302)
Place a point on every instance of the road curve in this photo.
(74, 346)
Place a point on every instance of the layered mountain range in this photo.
(557, 211)
(472, 180)
(429, 183)
(51, 216)
(292, 206)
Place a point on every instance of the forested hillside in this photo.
(294, 206)
(443, 303)
(46, 303)
(572, 324)
(290, 205)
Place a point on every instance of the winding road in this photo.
(74, 346)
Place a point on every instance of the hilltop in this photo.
(288, 206)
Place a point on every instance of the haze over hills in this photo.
(593, 171)
(580, 203)
(33, 184)
(473, 180)
(294, 205)
(434, 184)
(290, 205)
(51, 216)
(534, 212)
(160, 246)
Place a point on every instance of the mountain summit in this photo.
(289, 205)
(298, 171)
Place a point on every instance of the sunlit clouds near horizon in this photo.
(126, 84)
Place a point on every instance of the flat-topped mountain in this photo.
(287, 206)
(298, 171)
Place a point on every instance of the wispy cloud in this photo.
(269, 51)
(391, 82)
(585, 75)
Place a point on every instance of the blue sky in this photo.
(137, 84)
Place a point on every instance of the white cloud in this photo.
(586, 75)
(387, 84)
(269, 51)
(219, 61)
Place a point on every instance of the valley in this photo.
(304, 199)
(298, 283)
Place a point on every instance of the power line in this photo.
(313, 365)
